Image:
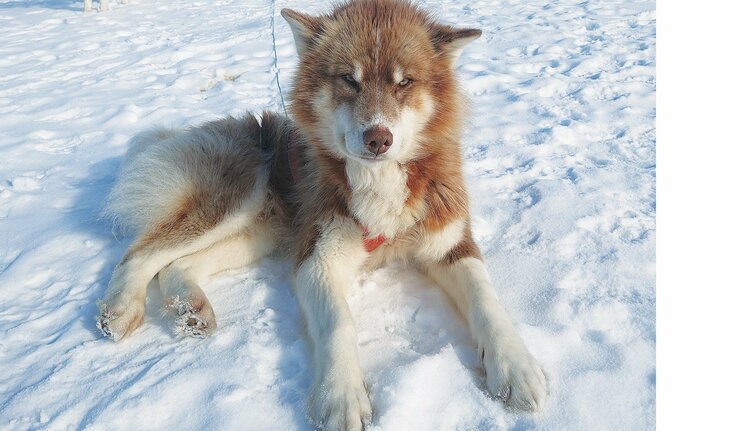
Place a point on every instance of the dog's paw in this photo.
(119, 321)
(193, 318)
(340, 402)
(513, 375)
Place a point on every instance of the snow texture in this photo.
(560, 156)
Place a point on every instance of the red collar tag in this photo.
(370, 244)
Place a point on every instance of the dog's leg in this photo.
(338, 399)
(87, 5)
(122, 309)
(512, 374)
(104, 5)
(123, 306)
(180, 280)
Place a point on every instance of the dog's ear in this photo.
(450, 41)
(304, 28)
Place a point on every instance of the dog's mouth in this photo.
(369, 158)
(372, 158)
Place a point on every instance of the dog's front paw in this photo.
(340, 402)
(513, 375)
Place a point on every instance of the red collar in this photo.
(370, 244)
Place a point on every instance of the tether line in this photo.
(276, 56)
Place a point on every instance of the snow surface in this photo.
(560, 159)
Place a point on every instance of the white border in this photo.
(700, 359)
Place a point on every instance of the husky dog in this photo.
(368, 171)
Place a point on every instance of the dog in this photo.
(367, 171)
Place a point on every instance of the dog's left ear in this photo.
(304, 29)
(450, 41)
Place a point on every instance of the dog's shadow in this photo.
(85, 218)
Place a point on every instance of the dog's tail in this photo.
(146, 183)
(212, 167)
(275, 132)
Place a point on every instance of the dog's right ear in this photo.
(450, 41)
(304, 28)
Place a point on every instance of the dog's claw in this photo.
(503, 393)
(102, 321)
(514, 377)
(191, 325)
(189, 321)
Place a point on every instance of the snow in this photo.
(560, 159)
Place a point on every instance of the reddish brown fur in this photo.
(466, 248)
(407, 37)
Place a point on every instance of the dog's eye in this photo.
(405, 82)
(351, 82)
(349, 79)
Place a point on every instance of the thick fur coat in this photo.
(372, 155)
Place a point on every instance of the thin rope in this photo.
(276, 56)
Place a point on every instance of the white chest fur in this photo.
(378, 197)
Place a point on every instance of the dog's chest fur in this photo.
(379, 196)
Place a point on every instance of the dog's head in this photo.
(372, 76)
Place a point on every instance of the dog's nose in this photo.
(378, 139)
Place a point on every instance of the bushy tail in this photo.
(213, 166)
(149, 181)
